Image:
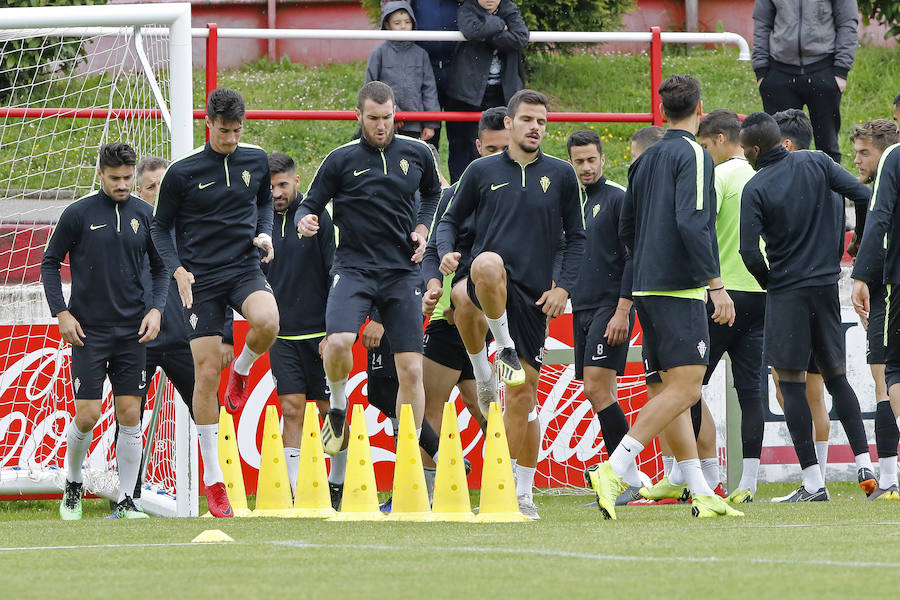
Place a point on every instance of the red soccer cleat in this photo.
(237, 392)
(217, 500)
(720, 491)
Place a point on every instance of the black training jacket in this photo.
(299, 275)
(878, 260)
(216, 204)
(373, 191)
(668, 219)
(790, 204)
(519, 212)
(606, 273)
(108, 243)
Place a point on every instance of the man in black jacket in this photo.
(372, 183)
(485, 71)
(668, 224)
(790, 204)
(109, 317)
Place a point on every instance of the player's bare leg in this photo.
(261, 312)
(337, 357)
(886, 436)
(523, 434)
(488, 274)
(410, 390)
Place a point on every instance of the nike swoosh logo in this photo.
(142, 386)
(358, 173)
(93, 227)
(418, 293)
(497, 186)
(203, 186)
(598, 357)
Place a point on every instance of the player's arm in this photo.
(763, 22)
(159, 285)
(323, 187)
(64, 236)
(460, 207)
(626, 215)
(572, 211)
(265, 216)
(848, 186)
(430, 195)
(695, 204)
(326, 241)
(751, 228)
(168, 201)
(619, 324)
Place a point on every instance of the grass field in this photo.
(841, 549)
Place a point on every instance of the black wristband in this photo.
(721, 287)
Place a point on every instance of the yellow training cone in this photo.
(212, 536)
(312, 499)
(498, 488)
(273, 490)
(360, 500)
(410, 500)
(230, 462)
(451, 490)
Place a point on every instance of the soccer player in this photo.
(372, 183)
(109, 318)
(896, 111)
(299, 276)
(790, 204)
(643, 138)
(520, 203)
(667, 222)
(218, 201)
(446, 363)
(719, 134)
(601, 300)
(870, 141)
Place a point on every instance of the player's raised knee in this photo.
(488, 267)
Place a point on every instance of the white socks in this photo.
(128, 459)
(338, 393)
(292, 461)
(749, 475)
(500, 330)
(77, 444)
(693, 476)
(524, 481)
(863, 461)
(338, 468)
(710, 469)
(887, 472)
(481, 365)
(812, 479)
(245, 360)
(676, 477)
(668, 463)
(623, 460)
(208, 436)
(822, 457)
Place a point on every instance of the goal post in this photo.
(56, 108)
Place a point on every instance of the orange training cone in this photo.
(451, 490)
(273, 490)
(360, 500)
(410, 500)
(312, 499)
(498, 488)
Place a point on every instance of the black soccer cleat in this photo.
(802, 495)
(867, 480)
(509, 367)
(337, 493)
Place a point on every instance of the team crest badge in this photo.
(76, 384)
(193, 321)
(701, 348)
(404, 165)
(545, 183)
(246, 177)
(135, 225)
(596, 208)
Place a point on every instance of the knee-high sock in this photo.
(799, 421)
(208, 436)
(624, 460)
(292, 462)
(338, 468)
(429, 439)
(847, 407)
(887, 435)
(128, 458)
(752, 422)
(613, 424)
(77, 444)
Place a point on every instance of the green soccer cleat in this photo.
(663, 489)
(70, 507)
(607, 485)
(712, 506)
(882, 495)
(511, 371)
(127, 510)
(740, 497)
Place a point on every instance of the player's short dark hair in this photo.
(721, 121)
(680, 95)
(492, 120)
(225, 105)
(647, 136)
(897, 100)
(279, 162)
(117, 154)
(584, 137)
(795, 126)
(149, 163)
(377, 92)
(760, 129)
(880, 132)
(525, 96)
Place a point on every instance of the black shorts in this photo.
(804, 321)
(178, 364)
(675, 333)
(396, 293)
(211, 299)
(297, 368)
(113, 351)
(875, 350)
(743, 341)
(527, 323)
(444, 346)
(591, 347)
(892, 336)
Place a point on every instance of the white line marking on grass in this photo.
(88, 546)
(581, 555)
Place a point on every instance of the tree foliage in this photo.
(883, 12)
